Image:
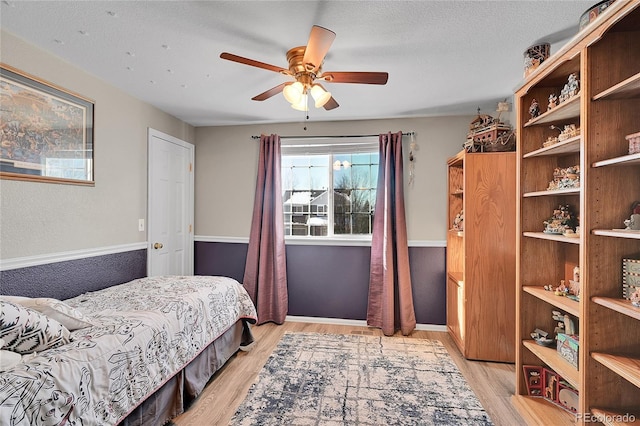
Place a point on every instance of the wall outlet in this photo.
(140, 225)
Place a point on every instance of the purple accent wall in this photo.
(323, 281)
(63, 280)
(333, 281)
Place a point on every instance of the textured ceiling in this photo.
(443, 57)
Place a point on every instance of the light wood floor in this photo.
(493, 383)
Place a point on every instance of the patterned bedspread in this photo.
(144, 332)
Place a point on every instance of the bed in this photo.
(132, 354)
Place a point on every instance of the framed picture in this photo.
(46, 132)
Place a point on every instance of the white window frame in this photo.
(329, 146)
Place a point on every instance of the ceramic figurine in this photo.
(574, 284)
(574, 84)
(541, 337)
(569, 325)
(635, 298)
(570, 89)
(553, 101)
(534, 109)
(569, 131)
(562, 220)
(562, 289)
(458, 222)
(568, 177)
(633, 223)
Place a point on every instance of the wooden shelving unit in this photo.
(605, 110)
(481, 259)
(615, 418)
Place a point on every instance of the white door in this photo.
(170, 206)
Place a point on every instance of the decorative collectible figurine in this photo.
(568, 177)
(458, 222)
(574, 284)
(553, 101)
(561, 221)
(635, 298)
(573, 84)
(633, 223)
(534, 109)
(570, 89)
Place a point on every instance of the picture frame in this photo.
(46, 132)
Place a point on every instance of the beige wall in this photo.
(226, 159)
(42, 218)
(38, 218)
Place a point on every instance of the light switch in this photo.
(140, 225)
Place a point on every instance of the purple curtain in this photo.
(265, 272)
(390, 305)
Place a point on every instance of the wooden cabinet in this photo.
(606, 58)
(481, 258)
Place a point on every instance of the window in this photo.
(329, 187)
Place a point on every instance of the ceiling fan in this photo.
(305, 66)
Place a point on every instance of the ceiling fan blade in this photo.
(253, 63)
(331, 104)
(355, 77)
(269, 93)
(320, 41)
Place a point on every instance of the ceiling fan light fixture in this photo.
(301, 105)
(293, 92)
(320, 95)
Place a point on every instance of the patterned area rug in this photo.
(331, 379)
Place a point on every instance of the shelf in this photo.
(564, 111)
(539, 411)
(626, 367)
(619, 305)
(552, 358)
(548, 192)
(570, 306)
(458, 277)
(616, 418)
(570, 146)
(456, 232)
(629, 88)
(620, 233)
(553, 237)
(625, 160)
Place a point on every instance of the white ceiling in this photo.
(443, 57)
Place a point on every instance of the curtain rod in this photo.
(412, 133)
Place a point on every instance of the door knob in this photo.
(157, 246)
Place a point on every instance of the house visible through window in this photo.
(329, 187)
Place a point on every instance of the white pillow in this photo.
(25, 331)
(56, 309)
(8, 360)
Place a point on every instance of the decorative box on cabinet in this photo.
(481, 256)
(605, 110)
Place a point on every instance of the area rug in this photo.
(331, 379)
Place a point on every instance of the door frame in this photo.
(189, 258)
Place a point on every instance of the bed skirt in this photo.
(177, 394)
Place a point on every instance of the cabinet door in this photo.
(490, 240)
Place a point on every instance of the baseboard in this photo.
(359, 323)
(431, 327)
